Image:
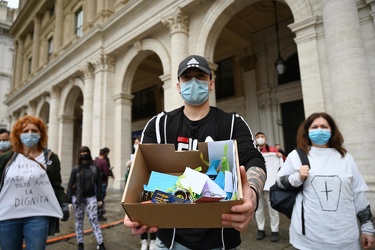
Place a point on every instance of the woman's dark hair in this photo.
(84, 149)
(336, 141)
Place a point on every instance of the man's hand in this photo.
(242, 214)
(100, 204)
(137, 228)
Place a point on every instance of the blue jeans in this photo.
(33, 229)
(104, 191)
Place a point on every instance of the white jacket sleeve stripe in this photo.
(157, 127)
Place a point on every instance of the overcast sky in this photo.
(12, 3)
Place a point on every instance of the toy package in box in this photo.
(153, 166)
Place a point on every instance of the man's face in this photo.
(197, 74)
(4, 137)
(260, 139)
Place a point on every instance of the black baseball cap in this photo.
(194, 61)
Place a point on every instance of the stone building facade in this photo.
(96, 71)
(7, 16)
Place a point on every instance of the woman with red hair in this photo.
(31, 196)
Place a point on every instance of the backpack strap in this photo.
(47, 154)
(304, 161)
(303, 157)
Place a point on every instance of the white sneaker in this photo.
(144, 244)
(152, 245)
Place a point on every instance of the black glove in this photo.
(66, 212)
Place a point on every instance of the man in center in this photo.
(197, 122)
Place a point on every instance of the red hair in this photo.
(21, 124)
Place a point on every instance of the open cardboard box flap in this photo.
(163, 158)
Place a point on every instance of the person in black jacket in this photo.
(84, 192)
(196, 122)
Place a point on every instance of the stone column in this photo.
(14, 66)
(251, 103)
(66, 148)
(178, 26)
(99, 5)
(262, 63)
(310, 65)
(350, 82)
(53, 126)
(36, 44)
(103, 102)
(19, 63)
(87, 105)
(371, 3)
(265, 112)
(31, 108)
(122, 130)
(12, 120)
(89, 13)
(59, 26)
(367, 20)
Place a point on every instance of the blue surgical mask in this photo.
(4, 145)
(194, 92)
(30, 139)
(319, 136)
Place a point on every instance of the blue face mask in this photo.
(30, 139)
(4, 145)
(194, 92)
(319, 136)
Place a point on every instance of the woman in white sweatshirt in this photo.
(337, 214)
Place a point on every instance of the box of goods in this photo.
(183, 189)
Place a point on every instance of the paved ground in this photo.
(117, 236)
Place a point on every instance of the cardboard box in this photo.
(163, 158)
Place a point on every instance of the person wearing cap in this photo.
(197, 122)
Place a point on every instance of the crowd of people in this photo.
(338, 214)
